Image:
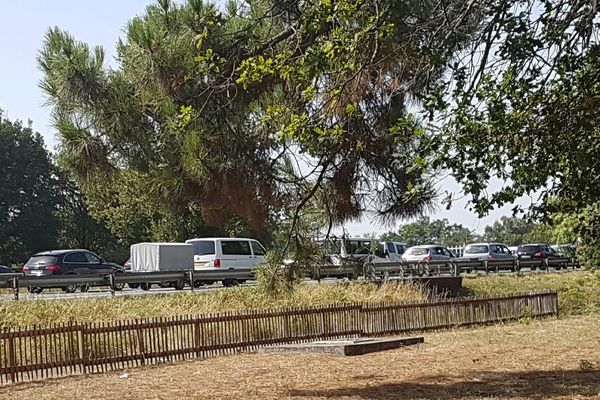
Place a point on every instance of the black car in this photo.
(5, 270)
(62, 262)
(536, 251)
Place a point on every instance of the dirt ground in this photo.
(539, 360)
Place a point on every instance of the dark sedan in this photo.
(536, 251)
(62, 262)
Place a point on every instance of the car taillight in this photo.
(25, 268)
(489, 257)
(538, 254)
(217, 263)
(53, 268)
(428, 258)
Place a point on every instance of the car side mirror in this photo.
(101, 260)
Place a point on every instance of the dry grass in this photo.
(28, 313)
(547, 359)
(578, 291)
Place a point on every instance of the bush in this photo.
(45, 312)
(578, 292)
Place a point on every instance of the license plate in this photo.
(199, 264)
(525, 256)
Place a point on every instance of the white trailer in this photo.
(155, 257)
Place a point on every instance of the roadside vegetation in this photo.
(88, 310)
(578, 292)
(578, 295)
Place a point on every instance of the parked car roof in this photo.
(58, 252)
(427, 246)
(220, 238)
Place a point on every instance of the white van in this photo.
(227, 253)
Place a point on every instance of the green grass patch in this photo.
(44, 312)
(578, 291)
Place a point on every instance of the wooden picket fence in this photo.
(69, 349)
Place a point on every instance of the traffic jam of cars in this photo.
(243, 254)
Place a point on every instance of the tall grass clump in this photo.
(578, 292)
(88, 310)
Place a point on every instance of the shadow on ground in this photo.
(534, 384)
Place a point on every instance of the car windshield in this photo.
(528, 249)
(204, 247)
(417, 251)
(42, 260)
(476, 249)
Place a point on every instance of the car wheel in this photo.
(179, 285)
(35, 290)
(84, 288)
(230, 282)
(146, 286)
(133, 285)
(70, 289)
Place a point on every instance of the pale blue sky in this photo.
(22, 28)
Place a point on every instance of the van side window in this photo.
(257, 249)
(204, 247)
(235, 247)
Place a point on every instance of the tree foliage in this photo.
(40, 207)
(28, 195)
(208, 109)
(426, 231)
(78, 230)
(523, 105)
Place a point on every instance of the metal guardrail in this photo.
(453, 267)
(117, 280)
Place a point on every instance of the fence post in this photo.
(197, 338)
(82, 348)
(111, 281)
(555, 301)
(485, 265)
(12, 355)
(141, 347)
(191, 278)
(15, 286)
